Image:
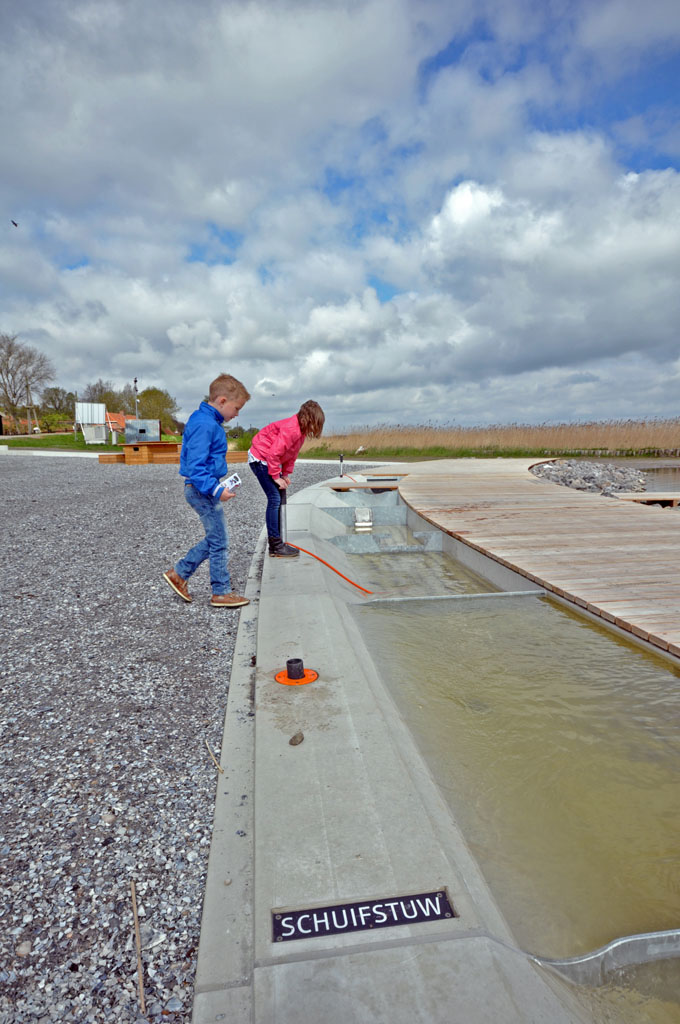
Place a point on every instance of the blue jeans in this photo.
(215, 544)
(273, 492)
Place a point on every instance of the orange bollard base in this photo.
(309, 675)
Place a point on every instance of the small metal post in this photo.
(283, 530)
(341, 466)
(28, 409)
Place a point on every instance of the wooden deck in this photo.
(157, 452)
(619, 560)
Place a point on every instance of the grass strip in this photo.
(406, 454)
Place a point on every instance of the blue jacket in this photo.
(203, 459)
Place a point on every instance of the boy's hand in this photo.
(282, 482)
(226, 495)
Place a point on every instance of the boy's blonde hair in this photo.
(311, 419)
(226, 386)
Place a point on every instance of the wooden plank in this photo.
(145, 452)
(649, 496)
(137, 458)
(157, 446)
(361, 486)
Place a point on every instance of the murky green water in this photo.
(647, 994)
(557, 746)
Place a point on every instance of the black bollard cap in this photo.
(295, 668)
(295, 674)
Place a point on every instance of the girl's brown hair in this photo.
(311, 419)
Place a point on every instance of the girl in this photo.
(272, 456)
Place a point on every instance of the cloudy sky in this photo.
(409, 210)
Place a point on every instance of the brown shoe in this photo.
(178, 584)
(279, 549)
(228, 601)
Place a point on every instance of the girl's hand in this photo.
(282, 482)
(287, 479)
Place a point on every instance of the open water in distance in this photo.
(662, 479)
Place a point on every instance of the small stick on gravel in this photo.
(214, 758)
(138, 943)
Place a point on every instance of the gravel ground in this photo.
(111, 686)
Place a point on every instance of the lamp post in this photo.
(136, 404)
(28, 409)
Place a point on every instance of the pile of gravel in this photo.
(110, 687)
(604, 477)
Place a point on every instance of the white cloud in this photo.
(616, 23)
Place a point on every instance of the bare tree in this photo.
(100, 391)
(114, 400)
(22, 369)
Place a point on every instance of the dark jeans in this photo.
(273, 492)
(215, 544)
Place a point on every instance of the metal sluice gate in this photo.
(597, 968)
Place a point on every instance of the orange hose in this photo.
(328, 564)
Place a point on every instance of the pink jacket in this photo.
(278, 445)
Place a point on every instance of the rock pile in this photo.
(604, 477)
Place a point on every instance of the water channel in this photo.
(555, 743)
(665, 479)
(557, 747)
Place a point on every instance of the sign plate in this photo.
(364, 915)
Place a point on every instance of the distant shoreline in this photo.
(620, 439)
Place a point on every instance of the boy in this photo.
(203, 463)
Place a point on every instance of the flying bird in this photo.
(15, 224)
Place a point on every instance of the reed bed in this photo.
(611, 437)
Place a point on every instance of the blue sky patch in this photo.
(383, 289)
(335, 183)
(451, 54)
(649, 91)
(219, 248)
(373, 132)
(265, 273)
